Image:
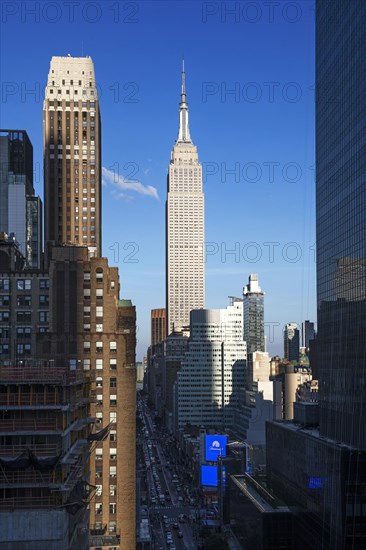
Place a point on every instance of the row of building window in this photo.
(24, 316)
(99, 382)
(99, 508)
(61, 146)
(112, 419)
(99, 346)
(75, 92)
(99, 454)
(99, 364)
(23, 284)
(112, 400)
(112, 490)
(23, 300)
(21, 349)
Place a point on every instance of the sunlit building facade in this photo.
(72, 154)
(213, 368)
(184, 227)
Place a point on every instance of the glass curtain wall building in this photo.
(341, 218)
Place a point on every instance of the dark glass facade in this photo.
(253, 308)
(16, 167)
(341, 218)
(307, 333)
(324, 471)
(323, 482)
(20, 155)
(291, 342)
(20, 210)
(34, 232)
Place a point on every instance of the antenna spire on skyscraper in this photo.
(183, 134)
(183, 78)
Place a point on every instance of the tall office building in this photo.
(175, 348)
(184, 227)
(213, 368)
(158, 327)
(89, 325)
(72, 155)
(34, 232)
(254, 315)
(307, 333)
(324, 471)
(20, 210)
(154, 356)
(291, 342)
(92, 331)
(341, 219)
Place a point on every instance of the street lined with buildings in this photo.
(220, 445)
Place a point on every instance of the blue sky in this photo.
(250, 89)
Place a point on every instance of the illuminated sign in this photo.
(215, 446)
(316, 483)
(209, 476)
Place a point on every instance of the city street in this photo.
(173, 520)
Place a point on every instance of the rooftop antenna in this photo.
(82, 48)
(183, 76)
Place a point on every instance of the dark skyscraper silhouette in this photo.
(323, 469)
(253, 307)
(341, 219)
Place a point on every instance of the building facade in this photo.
(323, 468)
(69, 317)
(20, 209)
(92, 329)
(89, 324)
(184, 227)
(24, 305)
(253, 299)
(175, 348)
(341, 219)
(72, 155)
(291, 342)
(44, 456)
(307, 333)
(213, 368)
(158, 327)
(322, 479)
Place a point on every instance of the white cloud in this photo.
(111, 178)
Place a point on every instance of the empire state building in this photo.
(184, 227)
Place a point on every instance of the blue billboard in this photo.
(316, 483)
(215, 446)
(209, 476)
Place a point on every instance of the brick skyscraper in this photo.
(72, 155)
(89, 324)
